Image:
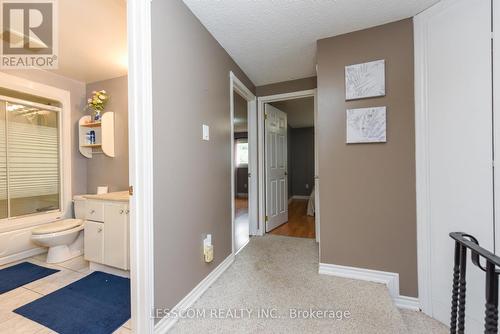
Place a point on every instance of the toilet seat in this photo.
(58, 226)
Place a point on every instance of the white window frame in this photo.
(63, 97)
(236, 142)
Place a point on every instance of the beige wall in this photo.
(101, 169)
(286, 86)
(77, 95)
(367, 194)
(192, 177)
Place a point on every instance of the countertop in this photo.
(119, 196)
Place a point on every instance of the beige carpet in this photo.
(419, 323)
(280, 273)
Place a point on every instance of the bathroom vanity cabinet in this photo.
(106, 238)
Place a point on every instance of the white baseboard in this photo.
(165, 324)
(391, 280)
(93, 266)
(22, 255)
(409, 303)
(300, 197)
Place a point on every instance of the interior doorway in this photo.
(289, 186)
(243, 162)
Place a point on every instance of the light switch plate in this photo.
(206, 132)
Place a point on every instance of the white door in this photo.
(276, 168)
(454, 44)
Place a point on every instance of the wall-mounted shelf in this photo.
(104, 135)
(92, 125)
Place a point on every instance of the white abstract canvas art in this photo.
(366, 125)
(365, 80)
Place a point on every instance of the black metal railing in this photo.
(464, 242)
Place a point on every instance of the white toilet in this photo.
(64, 238)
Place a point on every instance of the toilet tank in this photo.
(79, 206)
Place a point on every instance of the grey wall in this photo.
(192, 177)
(77, 95)
(301, 163)
(101, 169)
(287, 86)
(367, 193)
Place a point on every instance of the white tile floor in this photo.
(70, 271)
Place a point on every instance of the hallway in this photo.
(280, 273)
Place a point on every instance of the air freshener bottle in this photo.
(89, 137)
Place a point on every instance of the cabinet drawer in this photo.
(95, 211)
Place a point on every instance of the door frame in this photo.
(259, 226)
(140, 101)
(236, 85)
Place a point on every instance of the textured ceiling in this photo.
(300, 112)
(275, 40)
(92, 39)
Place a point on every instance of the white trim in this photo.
(140, 164)
(300, 197)
(422, 164)
(94, 266)
(317, 215)
(243, 246)
(496, 110)
(259, 228)
(166, 323)
(407, 303)
(236, 85)
(391, 280)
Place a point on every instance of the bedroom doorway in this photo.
(243, 162)
(288, 163)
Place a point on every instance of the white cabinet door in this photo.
(94, 241)
(454, 49)
(116, 238)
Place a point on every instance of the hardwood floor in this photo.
(299, 223)
(241, 223)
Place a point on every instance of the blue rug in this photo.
(21, 274)
(96, 304)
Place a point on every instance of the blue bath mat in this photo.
(21, 274)
(96, 304)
